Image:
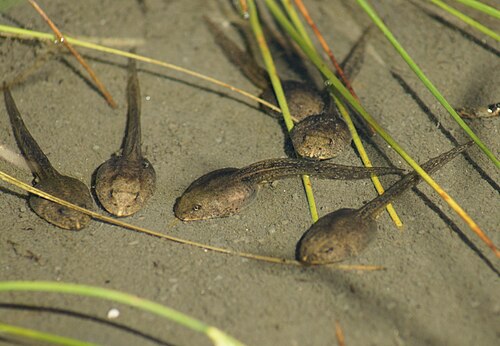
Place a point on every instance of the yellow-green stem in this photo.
(280, 95)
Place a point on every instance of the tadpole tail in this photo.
(33, 154)
(132, 138)
(243, 60)
(356, 57)
(410, 180)
(275, 169)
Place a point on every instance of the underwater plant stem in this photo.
(73, 51)
(28, 188)
(280, 95)
(336, 84)
(7, 329)
(116, 296)
(475, 24)
(22, 33)
(345, 114)
(481, 7)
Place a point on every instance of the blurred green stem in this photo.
(124, 298)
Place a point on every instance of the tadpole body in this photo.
(319, 139)
(125, 182)
(226, 191)
(345, 233)
(48, 179)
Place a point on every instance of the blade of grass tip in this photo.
(475, 24)
(7, 329)
(44, 36)
(336, 84)
(355, 136)
(73, 51)
(339, 334)
(119, 297)
(481, 7)
(280, 95)
(420, 74)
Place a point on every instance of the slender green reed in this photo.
(26, 333)
(475, 24)
(217, 336)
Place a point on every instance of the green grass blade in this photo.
(7, 329)
(388, 34)
(485, 30)
(124, 298)
(477, 5)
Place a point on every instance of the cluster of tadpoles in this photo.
(125, 182)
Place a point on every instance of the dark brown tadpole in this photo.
(345, 233)
(226, 191)
(125, 182)
(323, 138)
(48, 179)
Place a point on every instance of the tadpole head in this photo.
(216, 194)
(320, 137)
(124, 189)
(69, 189)
(335, 237)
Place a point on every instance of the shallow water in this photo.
(439, 284)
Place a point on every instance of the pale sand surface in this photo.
(441, 284)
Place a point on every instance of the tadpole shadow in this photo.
(82, 316)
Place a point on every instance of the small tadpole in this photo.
(125, 182)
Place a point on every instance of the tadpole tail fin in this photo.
(275, 169)
(33, 154)
(238, 57)
(412, 179)
(132, 139)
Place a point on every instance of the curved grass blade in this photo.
(216, 335)
(475, 24)
(26, 333)
(77, 42)
(338, 86)
(11, 180)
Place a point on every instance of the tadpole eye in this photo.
(328, 250)
(61, 211)
(196, 207)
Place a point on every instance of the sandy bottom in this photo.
(440, 280)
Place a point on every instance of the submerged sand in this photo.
(440, 286)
